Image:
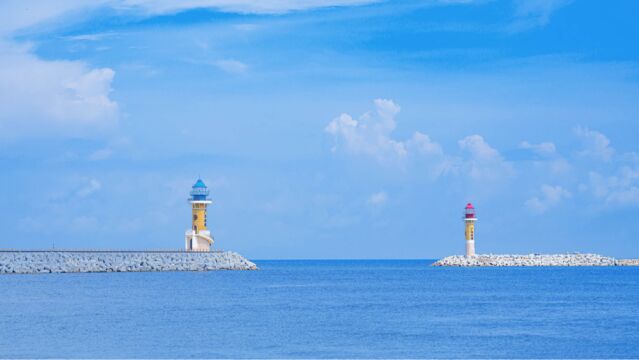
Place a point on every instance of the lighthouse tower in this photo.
(199, 238)
(469, 221)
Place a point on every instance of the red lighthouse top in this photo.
(470, 211)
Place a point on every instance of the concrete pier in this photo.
(36, 262)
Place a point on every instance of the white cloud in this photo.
(36, 12)
(543, 149)
(559, 166)
(387, 110)
(231, 66)
(480, 160)
(424, 145)
(597, 145)
(90, 187)
(478, 148)
(378, 199)
(547, 160)
(627, 196)
(550, 196)
(17, 14)
(371, 134)
(619, 189)
(90, 37)
(38, 96)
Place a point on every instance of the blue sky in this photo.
(325, 129)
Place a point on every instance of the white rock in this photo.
(30, 262)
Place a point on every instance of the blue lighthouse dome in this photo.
(199, 191)
(199, 184)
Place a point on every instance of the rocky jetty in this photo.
(628, 262)
(35, 262)
(534, 260)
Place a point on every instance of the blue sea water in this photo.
(325, 309)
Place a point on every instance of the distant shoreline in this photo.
(505, 260)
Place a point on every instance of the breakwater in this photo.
(535, 260)
(36, 262)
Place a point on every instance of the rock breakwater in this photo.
(534, 260)
(628, 262)
(34, 262)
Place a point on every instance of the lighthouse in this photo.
(469, 222)
(199, 238)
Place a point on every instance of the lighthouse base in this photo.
(198, 240)
(470, 247)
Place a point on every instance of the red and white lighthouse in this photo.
(469, 220)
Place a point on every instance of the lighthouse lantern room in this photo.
(199, 238)
(469, 220)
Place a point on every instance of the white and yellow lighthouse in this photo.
(199, 238)
(469, 221)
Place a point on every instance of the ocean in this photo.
(325, 309)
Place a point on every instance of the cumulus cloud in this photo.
(424, 145)
(627, 196)
(371, 134)
(621, 188)
(482, 161)
(550, 196)
(596, 144)
(378, 199)
(38, 96)
(478, 148)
